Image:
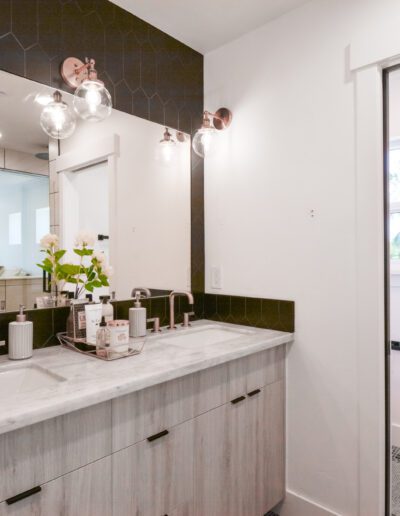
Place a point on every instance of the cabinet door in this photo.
(155, 478)
(265, 413)
(84, 492)
(239, 455)
(221, 473)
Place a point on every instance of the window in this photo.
(14, 228)
(42, 223)
(394, 196)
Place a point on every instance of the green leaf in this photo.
(69, 268)
(59, 254)
(83, 252)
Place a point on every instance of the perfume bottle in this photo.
(102, 338)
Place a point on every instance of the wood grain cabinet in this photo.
(155, 476)
(239, 455)
(207, 444)
(84, 492)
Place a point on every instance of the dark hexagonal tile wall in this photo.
(24, 21)
(5, 18)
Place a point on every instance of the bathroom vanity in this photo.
(194, 425)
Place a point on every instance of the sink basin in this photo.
(17, 379)
(207, 336)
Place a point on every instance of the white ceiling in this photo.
(207, 24)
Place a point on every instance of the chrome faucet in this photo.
(172, 296)
(141, 290)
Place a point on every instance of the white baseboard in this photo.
(297, 505)
(395, 435)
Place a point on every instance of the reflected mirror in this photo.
(111, 180)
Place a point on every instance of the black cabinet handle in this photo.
(103, 237)
(238, 400)
(23, 495)
(253, 393)
(157, 436)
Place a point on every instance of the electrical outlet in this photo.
(216, 277)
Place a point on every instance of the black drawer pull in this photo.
(238, 400)
(157, 436)
(23, 495)
(253, 393)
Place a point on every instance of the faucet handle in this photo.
(156, 324)
(186, 319)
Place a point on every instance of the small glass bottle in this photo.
(107, 308)
(102, 338)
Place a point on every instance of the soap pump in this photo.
(20, 337)
(137, 318)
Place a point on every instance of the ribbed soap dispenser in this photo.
(20, 337)
(137, 318)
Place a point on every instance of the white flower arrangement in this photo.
(92, 272)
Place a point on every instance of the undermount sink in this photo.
(17, 379)
(206, 336)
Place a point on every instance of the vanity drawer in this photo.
(218, 385)
(144, 413)
(38, 453)
(84, 492)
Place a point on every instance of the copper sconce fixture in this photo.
(168, 143)
(92, 101)
(203, 138)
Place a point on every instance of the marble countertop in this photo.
(87, 380)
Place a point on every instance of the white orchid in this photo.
(99, 256)
(85, 239)
(49, 241)
(108, 271)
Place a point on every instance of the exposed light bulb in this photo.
(92, 101)
(167, 146)
(57, 120)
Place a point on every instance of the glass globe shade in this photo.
(203, 141)
(167, 149)
(92, 101)
(57, 120)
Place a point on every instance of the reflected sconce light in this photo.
(92, 101)
(57, 120)
(167, 145)
(204, 137)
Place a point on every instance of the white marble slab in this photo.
(89, 381)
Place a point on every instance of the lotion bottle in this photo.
(137, 319)
(20, 337)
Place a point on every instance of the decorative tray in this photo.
(135, 347)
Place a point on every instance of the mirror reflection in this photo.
(112, 180)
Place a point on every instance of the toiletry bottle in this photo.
(93, 319)
(20, 337)
(137, 319)
(102, 336)
(107, 309)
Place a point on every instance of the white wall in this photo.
(281, 218)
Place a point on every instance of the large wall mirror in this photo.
(109, 179)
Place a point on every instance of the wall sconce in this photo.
(92, 101)
(167, 145)
(57, 119)
(203, 138)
